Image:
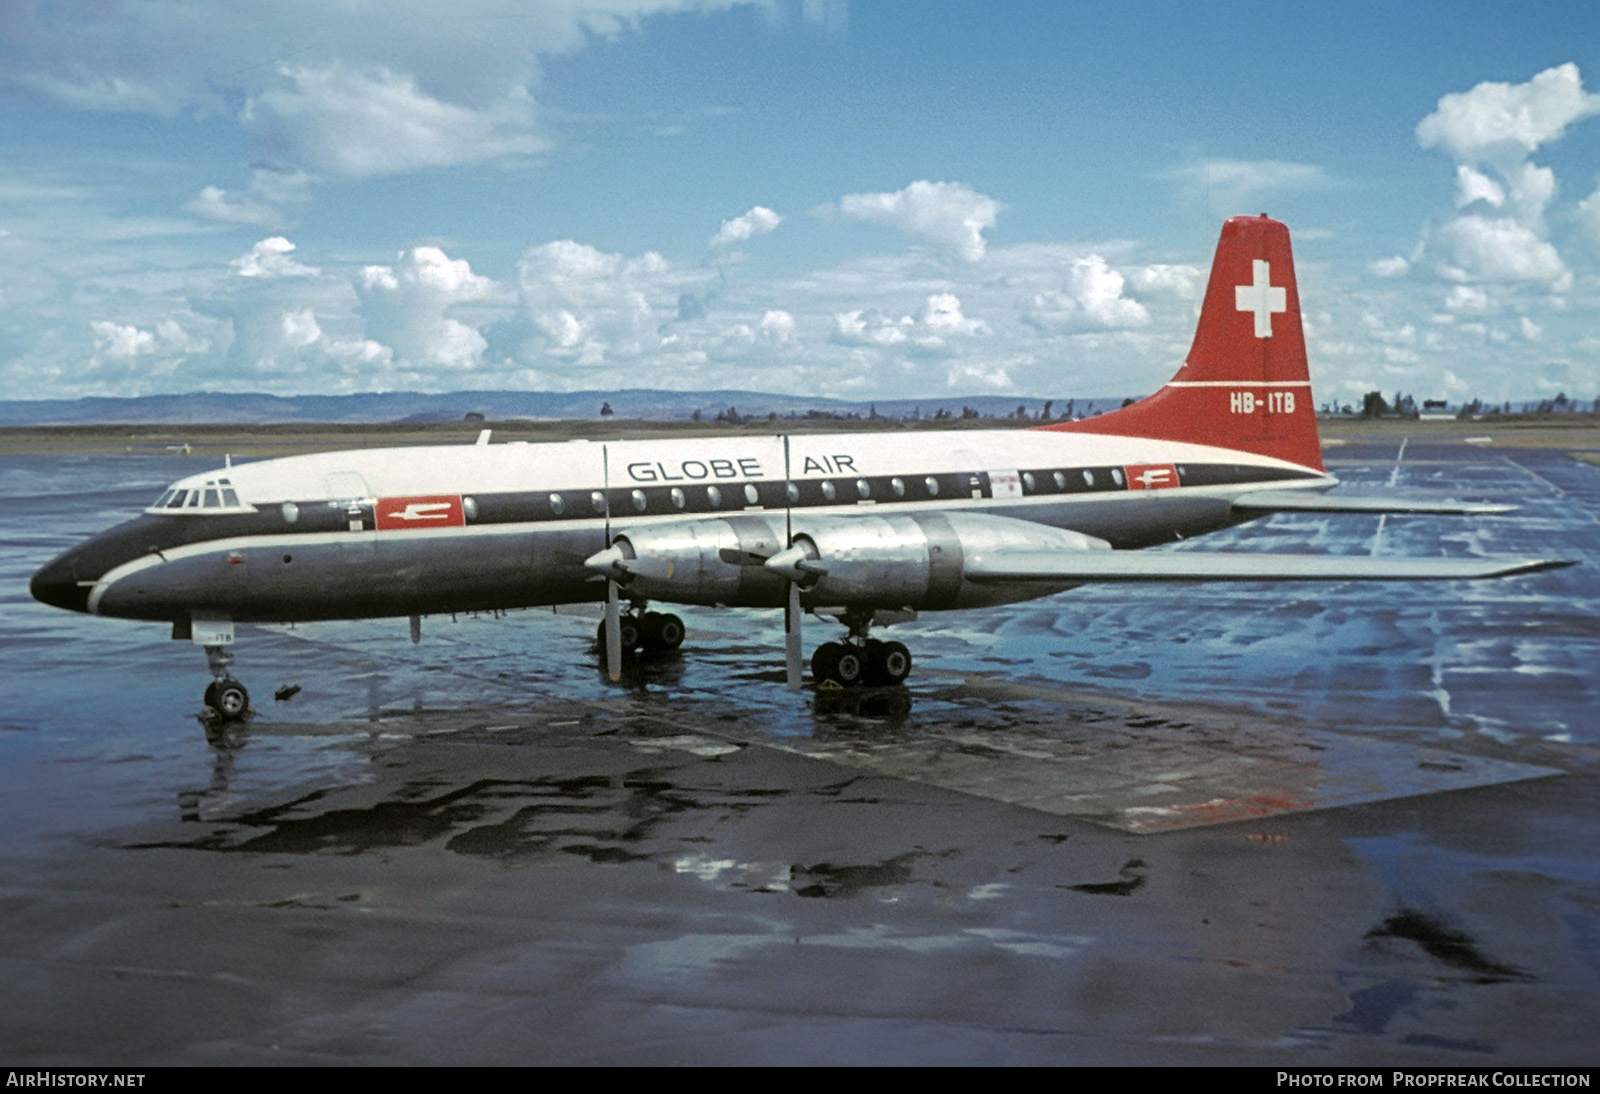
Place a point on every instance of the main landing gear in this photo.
(860, 660)
(643, 632)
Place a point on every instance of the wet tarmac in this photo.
(1234, 824)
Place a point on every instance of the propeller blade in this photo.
(735, 557)
(791, 637)
(613, 634)
(605, 478)
(788, 497)
(792, 650)
(613, 613)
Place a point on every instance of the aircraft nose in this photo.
(56, 584)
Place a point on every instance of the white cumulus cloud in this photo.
(1589, 214)
(1499, 232)
(404, 307)
(941, 315)
(946, 213)
(1474, 186)
(346, 122)
(300, 328)
(1467, 300)
(1176, 282)
(120, 341)
(1499, 120)
(589, 307)
(1475, 248)
(939, 320)
(271, 258)
(863, 327)
(1093, 300)
(264, 203)
(777, 325)
(757, 222)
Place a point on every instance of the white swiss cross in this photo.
(1261, 297)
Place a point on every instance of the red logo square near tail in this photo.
(1151, 476)
(426, 511)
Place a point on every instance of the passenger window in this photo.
(714, 496)
(828, 491)
(1028, 481)
(792, 492)
(557, 506)
(1088, 476)
(1061, 480)
(898, 485)
(597, 501)
(933, 486)
(678, 500)
(638, 501)
(751, 494)
(1116, 476)
(864, 488)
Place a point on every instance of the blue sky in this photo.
(866, 200)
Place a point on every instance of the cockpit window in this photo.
(211, 496)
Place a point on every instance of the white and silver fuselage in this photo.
(421, 530)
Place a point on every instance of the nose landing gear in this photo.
(225, 697)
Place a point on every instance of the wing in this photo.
(1302, 501)
(1106, 566)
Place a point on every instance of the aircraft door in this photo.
(347, 490)
(972, 481)
(1005, 484)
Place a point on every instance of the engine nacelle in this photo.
(917, 560)
(715, 561)
(904, 560)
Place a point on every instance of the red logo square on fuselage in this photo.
(428, 511)
(1151, 476)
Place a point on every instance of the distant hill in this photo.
(218, 408)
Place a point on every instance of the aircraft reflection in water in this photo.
(868, 528)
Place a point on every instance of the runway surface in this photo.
(1348, 823)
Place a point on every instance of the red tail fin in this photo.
(1245, 383)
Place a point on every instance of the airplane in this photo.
(870, 528)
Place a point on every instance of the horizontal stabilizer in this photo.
(1305, 501)
(1104, 566)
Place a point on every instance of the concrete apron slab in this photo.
(1159, 781)
(1135, 767)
